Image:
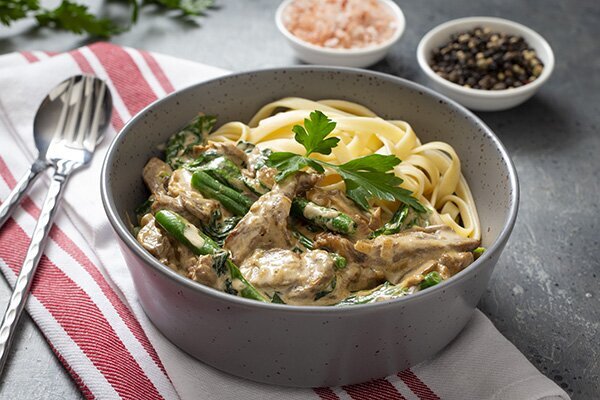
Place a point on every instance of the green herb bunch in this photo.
(74, 17)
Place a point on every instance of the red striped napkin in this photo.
(83, 298)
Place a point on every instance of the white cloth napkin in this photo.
(83, 297)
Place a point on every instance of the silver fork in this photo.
(81, 124)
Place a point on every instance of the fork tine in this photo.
(66, 95)
(73, 114)
(92, 137)
(84, 124)
(59, 90)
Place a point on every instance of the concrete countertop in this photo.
(544, 295)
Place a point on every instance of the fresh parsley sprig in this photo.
(75, 17)
(365, 177)
(312, 134)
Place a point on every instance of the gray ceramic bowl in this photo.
(310, 346)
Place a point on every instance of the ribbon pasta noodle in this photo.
(431, 171)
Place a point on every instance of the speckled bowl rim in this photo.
(398, 14)
(460, 23)
(124, 234)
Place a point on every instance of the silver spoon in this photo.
(71, 121)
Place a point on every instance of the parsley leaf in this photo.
(289, 163)
(312, 134)
(76, 18)
(372, 162)
(12, 10)
(187, 7)
(365, 177)
(364, 185)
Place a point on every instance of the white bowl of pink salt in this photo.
(349, 33)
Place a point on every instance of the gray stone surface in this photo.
(545, 294)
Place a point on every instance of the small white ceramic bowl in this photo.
(359, 58)
(478, 99)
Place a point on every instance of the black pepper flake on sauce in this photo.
(483, 59)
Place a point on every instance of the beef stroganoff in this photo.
(310, 203)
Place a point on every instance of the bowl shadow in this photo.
(540, 125)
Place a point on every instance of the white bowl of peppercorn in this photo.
(485, 63)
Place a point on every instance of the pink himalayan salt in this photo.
(340, 24)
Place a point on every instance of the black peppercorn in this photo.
(482, 59)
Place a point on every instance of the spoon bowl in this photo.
(51, 109)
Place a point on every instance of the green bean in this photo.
(339, 261)
(226, 171)
(255, 185)
(324, 217)
(235, 202)
(395, 225)
(303, 239)
(231, 205)
(478, 252)
(186, 233)
(200, 244)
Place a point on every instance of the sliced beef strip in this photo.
(227, 149)
(156, 174)
(376, 219)
(151, 237)
(447, 265)
(166, 202)
(397, 254)
(172, 190)
(180, 185)
(358, 274)
(200, 269)
(296, 278)
(265, 226)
